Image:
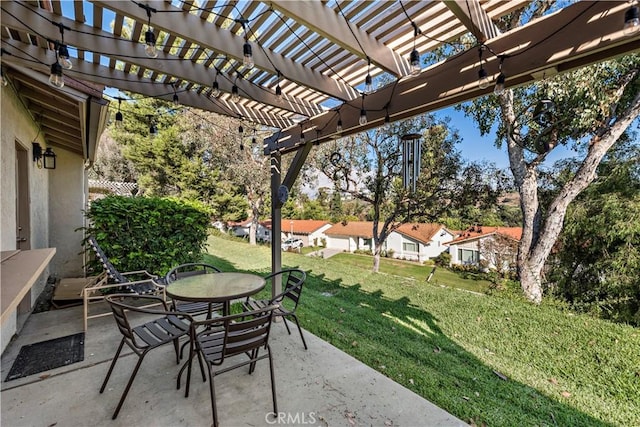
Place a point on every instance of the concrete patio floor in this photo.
(322, 386)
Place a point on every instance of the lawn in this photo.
(485, 359)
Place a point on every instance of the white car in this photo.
(292, 243)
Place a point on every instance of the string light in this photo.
(63, 51)
(55, 78)
(176, 100)
(119, 117)
(247, 54)
(368, 82)
(153, 130)
(3, 79)
(499, 88)
(278, 88)
(149, 37)
(483, 78)
(215, 87)
(631, 21)
(302, 139)
(363, 114)
(414, 57)
(235, 96)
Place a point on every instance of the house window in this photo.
(409, 247)
(468, 256)
(366, 243)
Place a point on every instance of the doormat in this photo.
(47, 355)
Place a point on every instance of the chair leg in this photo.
(300, 330)
(176, 346)
(273, 383)
(126, 390)
(113, 363)
(212, 391)
(284, 320)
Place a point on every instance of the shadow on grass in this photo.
(405, 343)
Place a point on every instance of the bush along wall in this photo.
(149, 233)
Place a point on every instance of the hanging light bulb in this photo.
(387, 119)
(414, 57)
(368, 84)
(153, 130)
(254, 141)
(414, 60)
(176, 100)
(150, 44)
(339, 126)
(235, 96)
(215, 89)
(63, 56)
(247, 55)
(119, 117)
(240, 130)
(631, 21)
(499, 88)
(363, 117)
(483, 79)
(278, 88)
(302, 138)
(56, 78)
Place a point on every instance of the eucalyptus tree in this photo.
(586, 110)
(368, 167)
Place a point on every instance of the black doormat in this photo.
(47, 355)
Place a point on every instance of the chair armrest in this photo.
(145, 272)
(146, 310)
(220, 320)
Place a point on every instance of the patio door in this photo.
(23, 222)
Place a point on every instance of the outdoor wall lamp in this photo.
(46, 159)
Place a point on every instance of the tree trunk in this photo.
(376, 257)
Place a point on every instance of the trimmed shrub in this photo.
(149, 233)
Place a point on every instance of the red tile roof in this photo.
(478, 231)
(302, 226)
(352, 228)
(420, 232)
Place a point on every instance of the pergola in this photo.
(310, 61)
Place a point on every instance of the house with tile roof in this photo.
(417, 242)
(497, 246)
(310, 231)
(241, 229)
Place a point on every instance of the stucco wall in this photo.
(67, 187)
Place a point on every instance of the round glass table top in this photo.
(215, 287)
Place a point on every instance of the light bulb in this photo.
(235, 97)
(215, 89)
(368, 84)
(56, 78)
(176, 100)
(483, 79)
(150, 44)
(631, 21)
(119, 119)
(279, 91)
(339, 126)
(302, 139)
(63, 57)
(3, 79)
(363, 117)
(247, 58)
(153, 131)
(499, 88)
(414, 61)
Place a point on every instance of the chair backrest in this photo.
(292, 282)
(190, 269)
(243, 333)
(121, 312)
(108, 267)
(120, 315)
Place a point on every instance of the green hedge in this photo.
(149, 233)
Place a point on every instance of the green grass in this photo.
(454, 348)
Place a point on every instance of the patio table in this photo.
(216, 288)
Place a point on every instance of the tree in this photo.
(368, 167)
(595, 267)
(588, 109)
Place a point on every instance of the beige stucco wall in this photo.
(67, 195)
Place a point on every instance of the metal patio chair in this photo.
(287, 300)
(139, 282)
(188, 270)
(167, 327)
(237, 335)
